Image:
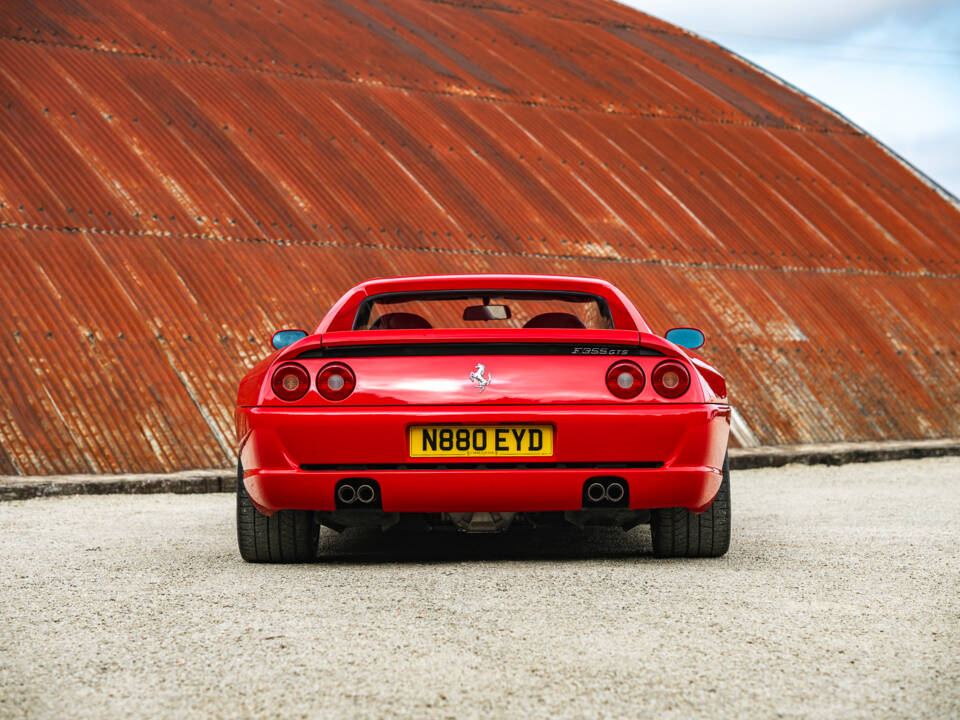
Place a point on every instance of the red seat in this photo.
(555, 320)
(400, 321)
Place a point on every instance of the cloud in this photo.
(890, 66)
(813, 19)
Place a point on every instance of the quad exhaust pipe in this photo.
(596, 492)
(615, 492)
(357, 492)
(605, 492)
(366, 494)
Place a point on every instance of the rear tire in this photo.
(677, 532)
(286, 536)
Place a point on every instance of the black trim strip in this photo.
(485, 466)
(475, 348)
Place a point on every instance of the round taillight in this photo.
(335, 381)
(670, 379)
(625, 379)
(290, 381)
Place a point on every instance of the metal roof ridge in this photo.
(486, 253)
(666, 28)
(302, 75)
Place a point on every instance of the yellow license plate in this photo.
(481, 440)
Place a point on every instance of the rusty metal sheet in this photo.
(180, 179)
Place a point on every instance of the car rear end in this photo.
(548, 416)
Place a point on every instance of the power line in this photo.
(857, 46)
(870, 61)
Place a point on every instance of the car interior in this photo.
(412, 321)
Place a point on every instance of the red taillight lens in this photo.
(670, 379)
(335, 381)
(290, 382)
(625, 380)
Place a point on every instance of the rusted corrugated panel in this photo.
(180, 179)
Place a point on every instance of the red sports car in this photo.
(478, 401)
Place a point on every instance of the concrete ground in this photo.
(839, 598)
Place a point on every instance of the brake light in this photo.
(335, 381)
(290, 382)
(625, 379)
(670, 379)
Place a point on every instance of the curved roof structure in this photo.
(180, 179)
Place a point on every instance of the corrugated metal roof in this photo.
(180, 179)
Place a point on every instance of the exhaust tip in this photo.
(357, 493)
(615, 492)
(366, 494)
(595, 492)
(604, 492)
(346, 494)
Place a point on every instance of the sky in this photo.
(890, 66)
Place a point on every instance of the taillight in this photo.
(290, 382)
(625, 379)
(335, 381)
(670, 379)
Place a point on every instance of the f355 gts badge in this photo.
(477, 377)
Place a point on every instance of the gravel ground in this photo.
(839, 598)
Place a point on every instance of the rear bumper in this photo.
(670, 456)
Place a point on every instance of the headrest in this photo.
(400, 321)
(555, 320)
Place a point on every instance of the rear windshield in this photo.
(483, 309)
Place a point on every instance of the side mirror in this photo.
(690, 338)
(287, 337)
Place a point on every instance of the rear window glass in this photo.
(483, 309)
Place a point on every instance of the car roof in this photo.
(624, 314)
(475, 281)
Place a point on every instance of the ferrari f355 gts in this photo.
(476, 402)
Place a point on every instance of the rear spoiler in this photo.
(579, 342)
(663, 347)
(386, 343)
